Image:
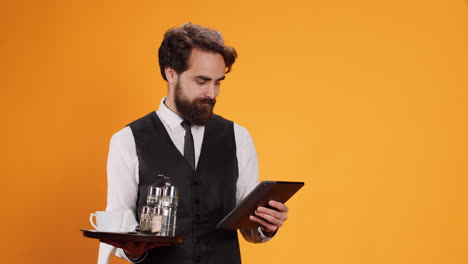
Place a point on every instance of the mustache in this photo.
(209, 101)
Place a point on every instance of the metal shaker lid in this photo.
(171, 191)
(155, 190)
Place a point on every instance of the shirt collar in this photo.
(169, 117)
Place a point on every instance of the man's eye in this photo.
(217, 83)
(200, 82)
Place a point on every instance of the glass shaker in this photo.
(156, 220)
(146, 218)
(169, 209)
(154, 197)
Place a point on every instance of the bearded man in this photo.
(211, 160)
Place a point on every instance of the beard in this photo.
(198, 111)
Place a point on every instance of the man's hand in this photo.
(134, 250)
(270, 219)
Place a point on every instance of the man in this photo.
(210, 159)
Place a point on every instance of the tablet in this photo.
(265, 191)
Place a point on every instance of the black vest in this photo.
(206, 195)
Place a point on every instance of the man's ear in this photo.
(171, 74)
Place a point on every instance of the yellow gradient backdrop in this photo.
(365, 101)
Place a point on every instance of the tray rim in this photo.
(131, 237)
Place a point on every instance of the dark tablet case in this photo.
(265, 191)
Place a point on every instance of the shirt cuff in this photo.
(121, 254)
(263, 236)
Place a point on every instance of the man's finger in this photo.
(280, 206)
(150, 246)
(268, 226)
(268, 211)
(271, 219)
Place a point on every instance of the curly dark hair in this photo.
(178, 43)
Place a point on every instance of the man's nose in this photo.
(210, 91)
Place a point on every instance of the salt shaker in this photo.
(146, 218)
(156, 220)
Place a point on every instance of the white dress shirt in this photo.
(123, 174)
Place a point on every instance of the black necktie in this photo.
(189, 150)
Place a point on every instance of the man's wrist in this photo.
(267, 233)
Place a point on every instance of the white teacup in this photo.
(114, 221)
(107, 221)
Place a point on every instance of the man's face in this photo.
(196, 88)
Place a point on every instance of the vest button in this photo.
(197, 240)
(195, 183)
(197, 201)
(196, 258)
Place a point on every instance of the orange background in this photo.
(365, 101)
